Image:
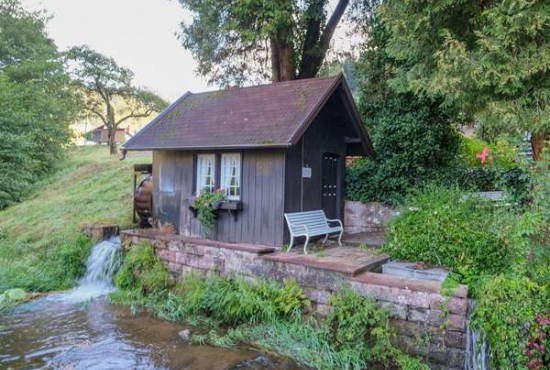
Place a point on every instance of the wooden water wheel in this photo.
(143, 196)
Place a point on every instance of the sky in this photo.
(138, 34)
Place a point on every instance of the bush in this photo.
(415, 138)
(143, 272)
(235, 301)
(269, 315)
(358, 325)
(515, 182)
(36, 101)
(501, 154)
(442, 227)
(511, 311)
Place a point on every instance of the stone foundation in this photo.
(366, 217)
(99, 232)
(427, 324)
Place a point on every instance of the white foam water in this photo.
(477, 348)
(103, 262)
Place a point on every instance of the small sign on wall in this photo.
(306, 172)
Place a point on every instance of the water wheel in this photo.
(143, 201)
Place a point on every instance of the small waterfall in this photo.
(477, 348)
(103, 262)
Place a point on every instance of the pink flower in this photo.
(483, 155)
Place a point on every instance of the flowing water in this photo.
(477, 348)
(79, 329)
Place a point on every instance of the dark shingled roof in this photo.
(274, 115)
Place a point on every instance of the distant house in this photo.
(273, 149)
(100, 135)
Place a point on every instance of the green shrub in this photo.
(415, 137)
(143, 272)
(506, 309)
(37, 270)
(502, 154)
(358, 325)
(269, 315)
(235, 300)
(442, 227)
(516, 182)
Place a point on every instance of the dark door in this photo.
(330, 185)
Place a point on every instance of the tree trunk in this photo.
(282, 59)
(112, 142)
(537, 143)
(314, 53)
(111, 129)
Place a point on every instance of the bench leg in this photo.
(325, 239)
(291, 243)
(340, 238)
(305, 244)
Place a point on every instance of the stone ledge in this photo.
(251, 248)
(408, 284)
(371, 262)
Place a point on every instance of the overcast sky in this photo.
(138, 34)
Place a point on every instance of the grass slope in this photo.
(41, 247)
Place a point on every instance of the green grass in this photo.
(41, 245)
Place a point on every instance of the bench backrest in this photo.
(311, 219)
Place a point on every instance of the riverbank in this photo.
(80, 329)
(41, 245)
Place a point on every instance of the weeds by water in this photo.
(275, 317)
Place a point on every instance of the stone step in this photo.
(409, 270)
(346, 260)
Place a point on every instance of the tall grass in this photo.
(41, 246)
(265, 314)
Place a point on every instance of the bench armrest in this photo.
(298, 230)
(335, 220)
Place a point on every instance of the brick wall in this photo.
(427, 324)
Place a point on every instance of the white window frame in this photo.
(230, 181)
(206, 162)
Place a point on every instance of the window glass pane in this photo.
(206, 172)
(231, 175)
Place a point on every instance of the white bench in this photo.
(311, 223)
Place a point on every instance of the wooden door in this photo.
(330, 186)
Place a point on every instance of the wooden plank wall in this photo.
(260, 221)
(167, 192)
(326, 134)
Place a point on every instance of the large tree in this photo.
(235, 41)
(490, 57)
(37, 103)
(108, 91)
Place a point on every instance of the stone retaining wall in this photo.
(427, 324)
(366, 217)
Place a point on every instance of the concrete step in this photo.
(410, 270)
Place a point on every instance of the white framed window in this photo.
(231, 175)
(206, 172)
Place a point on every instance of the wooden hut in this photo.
(273, 148)
(100, 135)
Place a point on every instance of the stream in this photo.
(80, 329)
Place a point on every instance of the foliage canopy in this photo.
(491, 58)
(108, 92)
(239, 41)
(36, 101)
